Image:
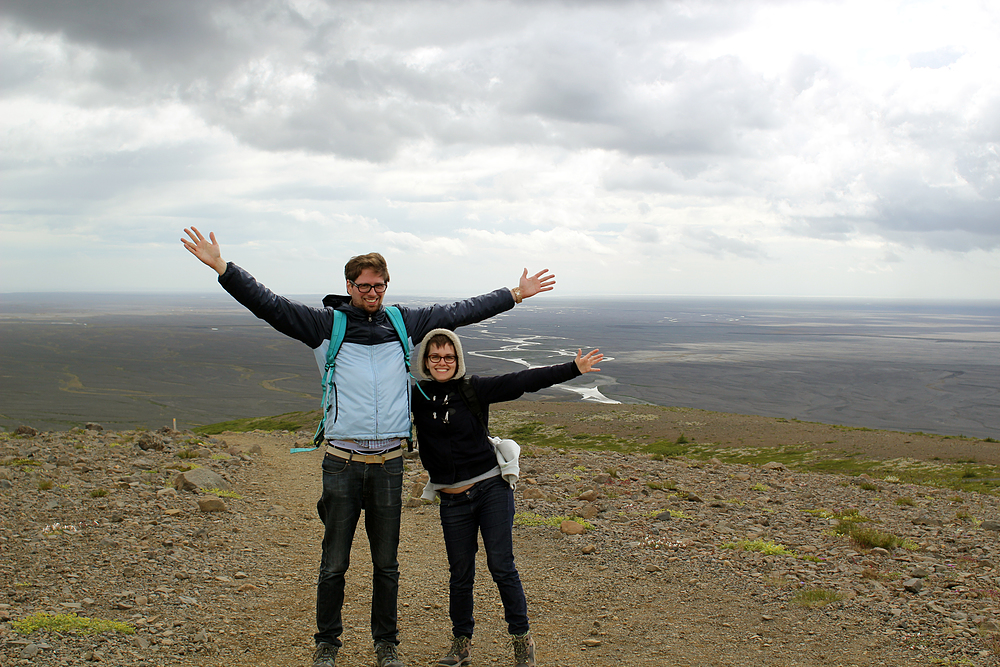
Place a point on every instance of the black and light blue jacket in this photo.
(370, 398)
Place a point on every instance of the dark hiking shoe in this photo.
(386, 655)
(458, 656)
(524, 650)
(325, 655)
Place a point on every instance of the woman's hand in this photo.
(585, 362)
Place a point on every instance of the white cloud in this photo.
(801, 144)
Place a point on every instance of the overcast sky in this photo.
(706, 148)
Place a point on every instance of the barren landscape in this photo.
(705, 539)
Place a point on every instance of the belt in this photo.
(394, 453)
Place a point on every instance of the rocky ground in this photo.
(680, 561)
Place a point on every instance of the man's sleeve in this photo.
(459, 314)
(294, 319)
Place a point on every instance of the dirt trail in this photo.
(684, 613)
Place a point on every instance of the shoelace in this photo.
(458, 644)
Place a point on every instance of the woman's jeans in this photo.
(487, 508)
(348, 488)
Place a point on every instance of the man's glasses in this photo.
(438, 358)
(364, 288)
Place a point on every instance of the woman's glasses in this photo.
(438, 358)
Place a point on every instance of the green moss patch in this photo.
(69, 623)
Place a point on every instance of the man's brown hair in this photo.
(373, 261)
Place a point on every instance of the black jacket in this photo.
(453, 444)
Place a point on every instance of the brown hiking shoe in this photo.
(524, 650)
(458, 656)
(325, 655)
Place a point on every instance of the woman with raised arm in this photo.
(474, 481)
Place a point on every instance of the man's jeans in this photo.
(487, 508)
(348, 488)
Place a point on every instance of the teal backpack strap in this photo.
(396, 319)
(336, 340)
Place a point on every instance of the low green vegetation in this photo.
(69, 623)
(868, 537)
(98, 493)
(766, 547)
(816, 597)
(22, 462)
(535, 436)
(222, 493)
(533, 519)
(290, 421)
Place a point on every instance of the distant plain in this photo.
(129, 361)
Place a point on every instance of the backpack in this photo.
(336, 340)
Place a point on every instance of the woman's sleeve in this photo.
(500, 388)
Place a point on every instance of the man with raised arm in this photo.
(367, 419)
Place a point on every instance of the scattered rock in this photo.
(212, 504)
(149, 441)
(927, 520)
(200, 479)
(570, 527)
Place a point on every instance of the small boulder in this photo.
(199, 479)
(927, 520)
(913, 585)
(773, 465)
(147, 441)
(532, 493)
(25, 430)
(212, 504)
(990, 525)
(570, 527)
(93, 426)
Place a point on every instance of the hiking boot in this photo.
(458, 656)
(386, 655)
(524, 650)
(325, 655)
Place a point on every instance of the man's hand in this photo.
(207, 251)
(585, 362)
(532, 285)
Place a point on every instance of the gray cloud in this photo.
(364, 80)
(708, 242)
